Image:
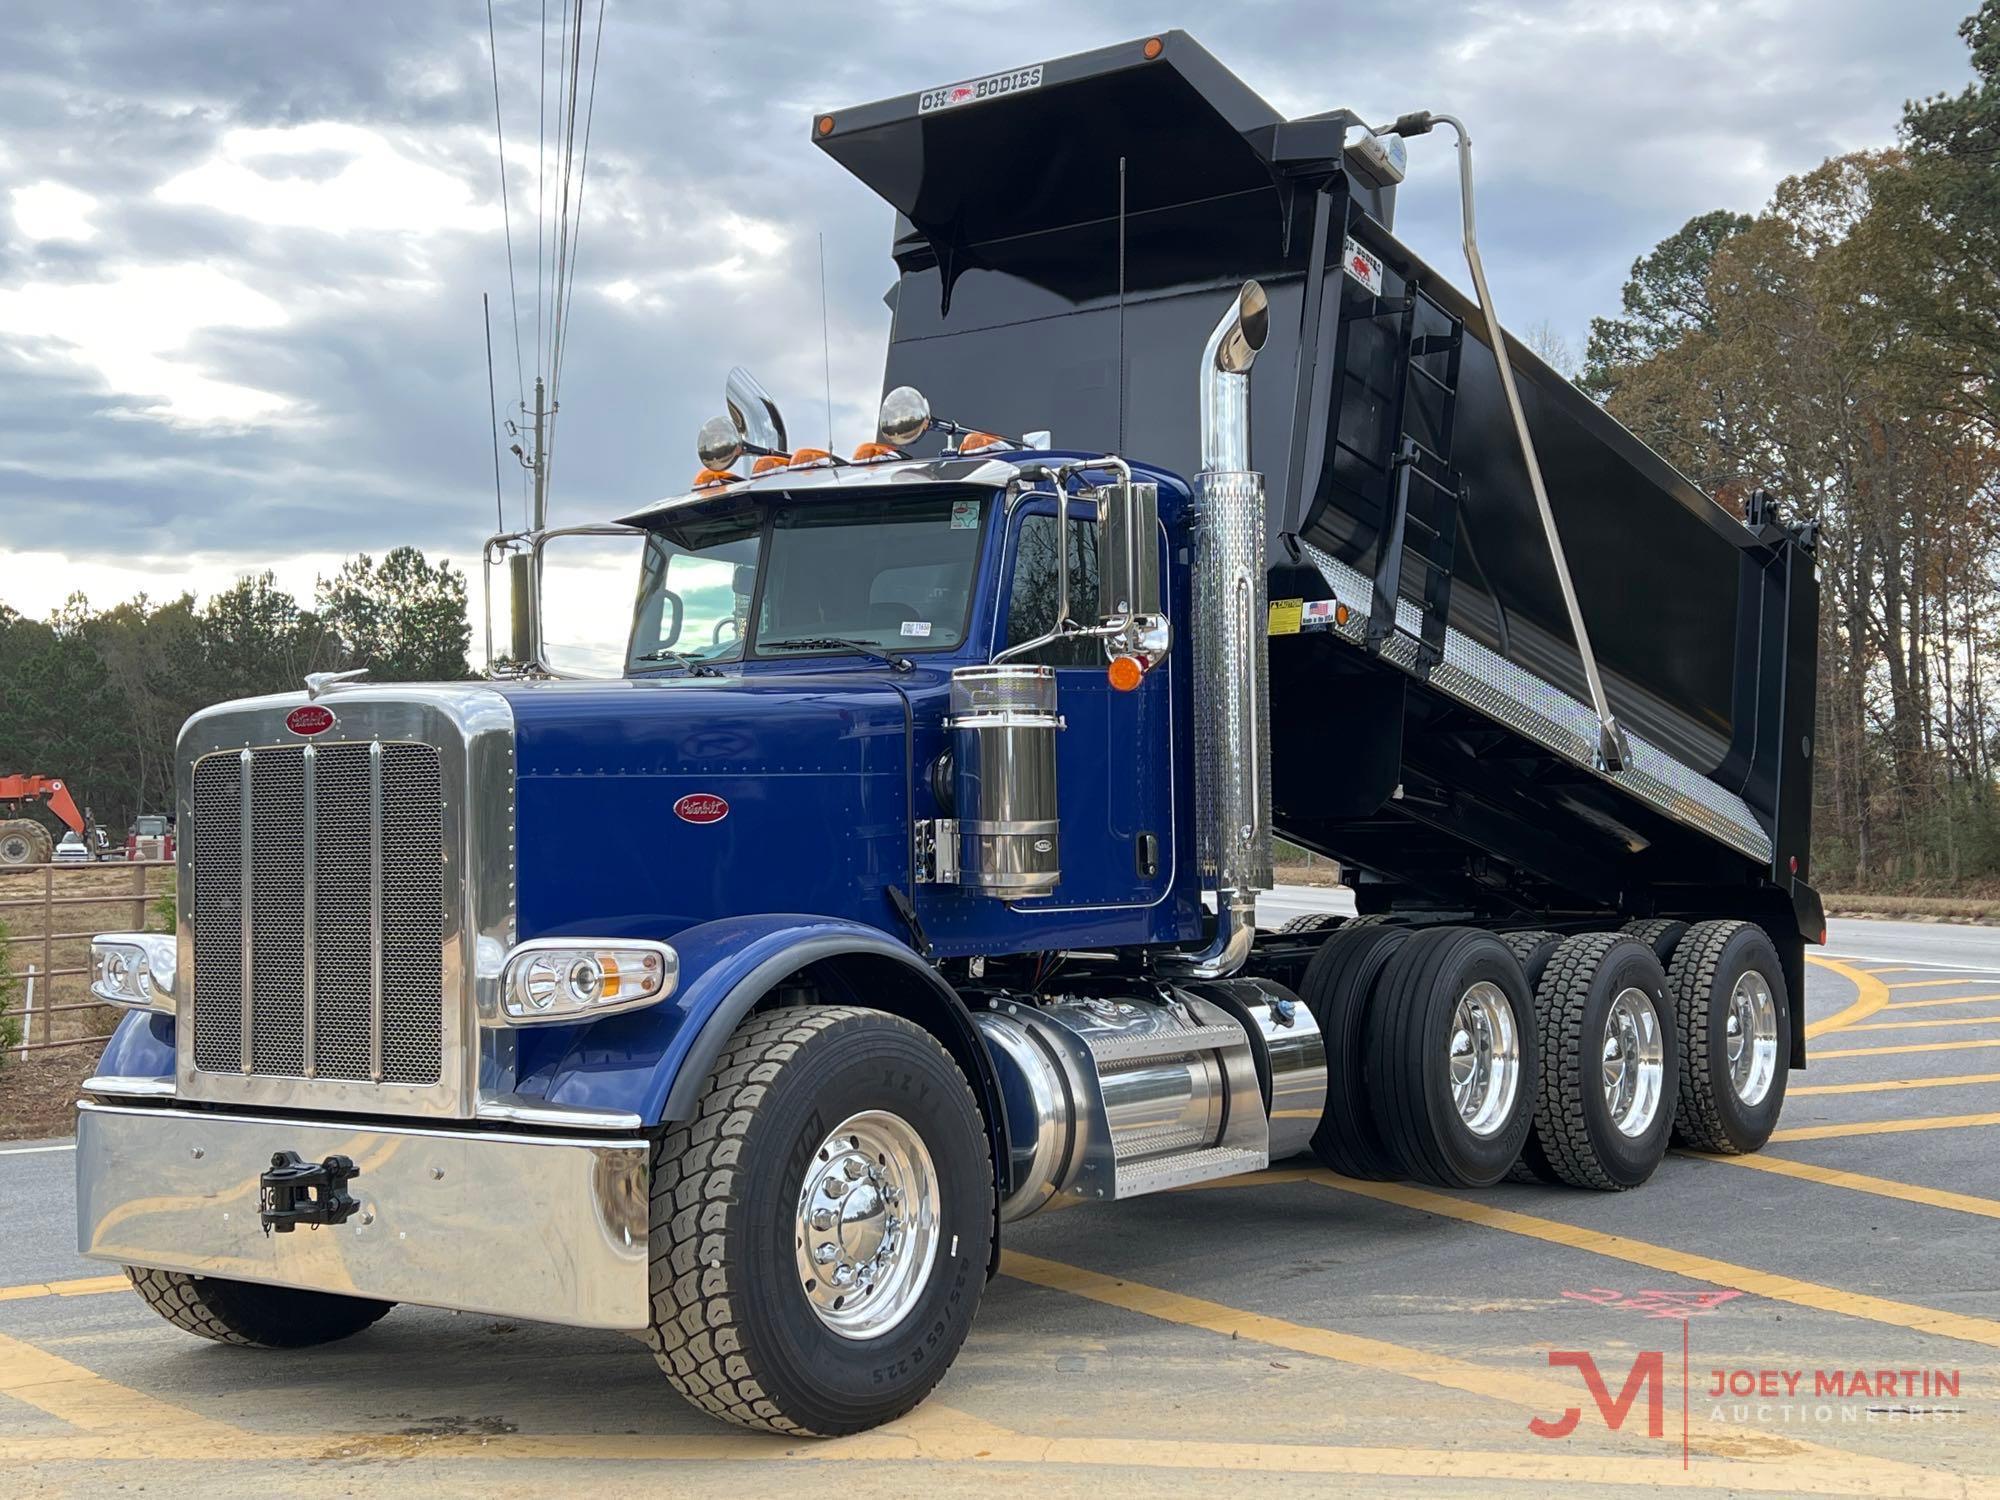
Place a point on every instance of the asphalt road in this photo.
(1290, 1329)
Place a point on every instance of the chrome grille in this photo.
(318, 892)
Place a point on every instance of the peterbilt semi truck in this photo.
(930, 811)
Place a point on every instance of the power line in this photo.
(541, 180)
(506, 210)
(582, 181)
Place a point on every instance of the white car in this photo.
(72, 850)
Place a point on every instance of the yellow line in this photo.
(88, 1286)
(1820, 1057)
(1946, 1000)
(88, 1401)
(1907, 1025)
(1932, 984)
(1881, 1187)
(1682, 1263)
(1891, 1085)
(937, 1435)
(1884, 1127)
(1874, 994)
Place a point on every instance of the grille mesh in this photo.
(345, 954)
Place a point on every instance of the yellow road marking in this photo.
(935, 1434)
(1934, 1021)
(1891, 1085)
(1897, 1051)
(1758, 1283)
(88, 1401)
(88, 1286)
(1931, 984)
(1884, 1127)
(1881, 1187)
(1946, 1000)
(1874, 994)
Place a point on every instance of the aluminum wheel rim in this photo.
(867, 1224)
(1634, 1060)
(1485, 1058)
(1752, 1037)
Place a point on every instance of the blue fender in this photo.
(654, 1062)
(142, 1046)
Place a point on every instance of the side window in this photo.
(1031, 605)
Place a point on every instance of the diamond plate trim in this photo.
(1484, 680)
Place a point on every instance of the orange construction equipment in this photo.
(23, 841)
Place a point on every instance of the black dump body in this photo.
(1008, 314)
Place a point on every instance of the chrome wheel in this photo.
(867, 1226)
(1485, 1058)
(1752, 1037)
(1634, 1062)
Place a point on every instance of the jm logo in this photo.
(1647, 1374)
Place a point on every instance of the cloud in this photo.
(240, 280)
(333, 177)
(135, 326)
(52, 211)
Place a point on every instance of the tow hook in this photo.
(295, 1191)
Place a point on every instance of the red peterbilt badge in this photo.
(309, 719)
(701, 807)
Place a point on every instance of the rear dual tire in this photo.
(1735, 1022)
(1610, 1054)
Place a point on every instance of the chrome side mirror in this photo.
(1128, 552)
(754, 413)
(906, 416)
(718, 444)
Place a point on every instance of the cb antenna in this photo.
(1121, 304)
(825, 342)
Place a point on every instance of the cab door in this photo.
(1114, 767)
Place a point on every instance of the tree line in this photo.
(97, 697)
(1842, 350)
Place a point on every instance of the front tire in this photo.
(253, 1316)
(821, 1227)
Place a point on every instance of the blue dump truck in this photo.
(904, 883)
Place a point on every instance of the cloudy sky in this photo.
(242, 246)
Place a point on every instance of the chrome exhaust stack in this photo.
(1231, 659)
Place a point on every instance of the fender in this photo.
(655, 1062)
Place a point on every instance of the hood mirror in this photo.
(754, 413)
(718, 444)
(906, 416)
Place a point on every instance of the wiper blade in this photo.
(691, 665)
(870, 649)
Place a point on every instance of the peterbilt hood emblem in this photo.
(309, 719)
(701, 807)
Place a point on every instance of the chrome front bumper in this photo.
(512, 1225)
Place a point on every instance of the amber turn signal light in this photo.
(1126, 673)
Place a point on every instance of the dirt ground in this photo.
(38, 1092)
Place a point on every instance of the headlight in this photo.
(134, 969)
(557, 979)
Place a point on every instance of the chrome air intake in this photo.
(1231, 666)
(1007, 835)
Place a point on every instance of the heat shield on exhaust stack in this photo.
(1232, 684)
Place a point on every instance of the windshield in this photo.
(891, 574)
(693, 599)
(894, 574)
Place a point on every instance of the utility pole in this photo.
(541, 459)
